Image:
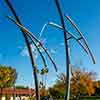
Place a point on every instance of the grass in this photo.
(91, 99)
(84, 99)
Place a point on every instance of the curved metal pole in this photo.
(93, 59)
(33, 37)
(67, 53)
(45, 50)
(72, 35)
(43, 28)
(43, 59)
(29, 50)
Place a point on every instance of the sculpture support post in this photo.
(29, 50)
(67, 53)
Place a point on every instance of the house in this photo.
(19, 94)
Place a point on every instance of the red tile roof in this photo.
(17, 91)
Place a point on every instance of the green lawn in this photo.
(91, 99)
(85, 99)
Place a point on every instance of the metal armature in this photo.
(29, 50)
(30, 34)
(82, 38)
(67, 90)
(67, 52)
(27, 34)
(72, 36)
(85, 47)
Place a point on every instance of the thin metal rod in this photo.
(47, 52)
(72, 38)
(37, 47)
(67, 53)
(72, 35)
(40, 44)
(69, 38)
(42, 30)
(29, 50)
(93, 59)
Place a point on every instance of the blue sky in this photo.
(34, 14)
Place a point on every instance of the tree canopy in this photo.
(8, 76)
(82, 83)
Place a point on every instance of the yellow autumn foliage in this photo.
(7, 76)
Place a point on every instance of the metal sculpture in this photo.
(67, 52)
(82, 38)
(66, 48)
(30, 51)
(29, 35)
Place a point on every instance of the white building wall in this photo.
(11, 98)
(3, 98)
(17, 98)
(22, 97)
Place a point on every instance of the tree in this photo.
(53, 93)
(8, 76)
(42, 91)
(22, 87)
(81, 83)
(97, 88)
(58, 89)
(43, 73)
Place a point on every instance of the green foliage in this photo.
(22, 87)
(44, 71)
(81, 84)
(58, 89)
(54, 93)
(8, 76)
(31, 98)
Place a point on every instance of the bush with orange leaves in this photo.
(82, 82)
